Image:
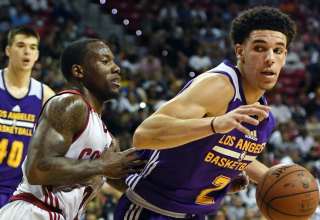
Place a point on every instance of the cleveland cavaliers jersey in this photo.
(17, 120)
(194, 178)
(89, 144)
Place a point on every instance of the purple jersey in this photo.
(17, 120)
(194, 178)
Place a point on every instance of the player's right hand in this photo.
(243, 114)
(118, 164)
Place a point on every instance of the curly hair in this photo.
(261, 18)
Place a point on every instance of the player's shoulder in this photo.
(67, 100)
(47, 93)
(67, 105)
(215, 81)
(213, 76)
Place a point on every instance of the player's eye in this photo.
(259, 48)
(278, 50)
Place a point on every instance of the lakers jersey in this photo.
(17, 120)
(194, 178)
(71, 200)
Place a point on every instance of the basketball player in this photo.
(21, 101)
(214, 129)
(72, 149)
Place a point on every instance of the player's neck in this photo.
(251, 95)
(16, 77)
(93, 100)
(95, 103)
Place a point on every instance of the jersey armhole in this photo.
(77, 135)
(231, 81)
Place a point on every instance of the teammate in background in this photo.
(21, 101)
(72, 149)
(202, 139)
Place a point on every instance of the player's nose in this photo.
(116, 69)
(270, 58)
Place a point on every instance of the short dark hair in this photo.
(74, 53)
(25, 30)
(261, 18)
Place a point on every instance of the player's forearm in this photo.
(63, 171)
(256, 170)
(163, 132)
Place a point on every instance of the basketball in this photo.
(287, 192)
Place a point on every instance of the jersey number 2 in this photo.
(218, 183)
(15, 154)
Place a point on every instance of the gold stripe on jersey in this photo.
(233, 154)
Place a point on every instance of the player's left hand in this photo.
(240, 183)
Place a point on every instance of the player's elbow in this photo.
(34, 175)
(138, 139)
(143, 139)
(148, 139)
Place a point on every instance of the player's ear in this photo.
(37, 55)
(239, 50)
(7, 51)
(77, 71)
(285, 57)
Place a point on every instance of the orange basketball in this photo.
(287, 192)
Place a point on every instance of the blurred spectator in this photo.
(200, 62)
(313, 126)
(292, 78)
(179, 37)
(313, 107)
(236, 210)
(304, 142)
(280, 111)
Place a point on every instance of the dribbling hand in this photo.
(240, 183)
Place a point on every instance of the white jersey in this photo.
(89, 144)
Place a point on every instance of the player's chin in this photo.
(26, 67)
(268, 86)
(113, 94)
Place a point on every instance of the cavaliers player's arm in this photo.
(62, 118)
(47, 93)
(189, 116)
(118, 184)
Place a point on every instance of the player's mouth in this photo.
(26, 61)
(116, 83)
(268, 73)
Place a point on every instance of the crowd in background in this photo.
(179, 40)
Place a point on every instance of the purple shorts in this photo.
(127, 210)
